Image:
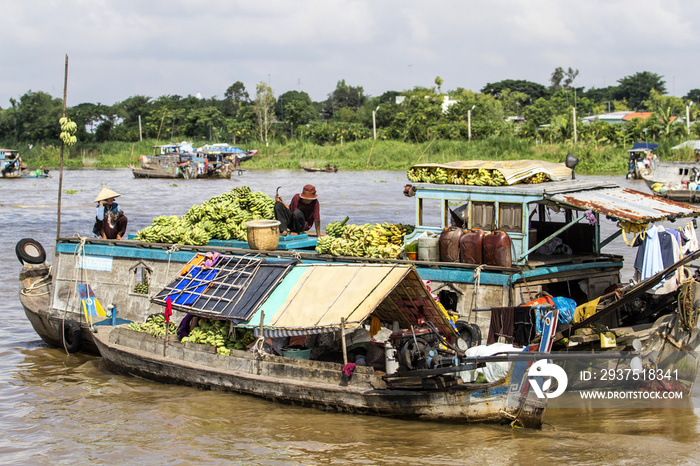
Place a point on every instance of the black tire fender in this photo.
(30, 251)
(72, 335)
(470, 334)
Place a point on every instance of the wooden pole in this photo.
(342, 335)
(258, 355)
(60, 176)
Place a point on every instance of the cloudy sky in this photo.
(118, 49)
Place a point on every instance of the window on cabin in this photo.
(510, 217)
(142, 280)
(483, 216)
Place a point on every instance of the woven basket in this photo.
(263, 235)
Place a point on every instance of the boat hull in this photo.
(310, 383)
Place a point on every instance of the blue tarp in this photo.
(643, 146)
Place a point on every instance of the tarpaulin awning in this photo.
(512, 170)
(643, 146)
(313, 298)
(626, 204)
(695, 145)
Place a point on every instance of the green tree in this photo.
(635, 89)
(234, 98)
(344, 96)
(533, 90)
(34, 117)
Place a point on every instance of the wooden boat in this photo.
(11, 165)
(641, 159)
(117, 268)
(300, 302)
(228, 152)
(326, 169)
(677, 181)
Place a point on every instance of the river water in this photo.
(66, 409)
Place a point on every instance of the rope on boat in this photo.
(44, 281)
(514, 418)
(686, 312)
(79, 249)
(477, 283)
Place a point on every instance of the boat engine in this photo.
(419, 348)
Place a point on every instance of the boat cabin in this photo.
(10, 162)
(553, 229)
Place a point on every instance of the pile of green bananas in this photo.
(379, 241)
(154, 325)
(221, 217)
(216, 333)
(68, 130)
(141, 288)
(475, 177)
(336, 229)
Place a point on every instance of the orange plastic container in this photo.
(496, 249)
(470, 245)
(449, 244)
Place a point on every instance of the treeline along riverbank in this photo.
(364, 154)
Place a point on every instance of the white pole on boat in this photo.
(60, 176)
(261, 336)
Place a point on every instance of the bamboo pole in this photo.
(60, 176)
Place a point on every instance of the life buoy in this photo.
(30, 251)
(72, 336)
(469, 334)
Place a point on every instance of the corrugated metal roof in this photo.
(626, 205)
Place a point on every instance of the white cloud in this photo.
(118, 49)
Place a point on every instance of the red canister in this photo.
(449, 244)
(496, 249)
(470, 244)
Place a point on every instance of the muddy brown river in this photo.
(57, 408)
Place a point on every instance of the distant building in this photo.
(619, 117)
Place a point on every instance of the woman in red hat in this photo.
(301, 214)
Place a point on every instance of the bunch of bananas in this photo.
(154, 325)
(68, 130)
(379, 240)
(336, 229)
(219, 334)
(537, 178)
(477, 177)
(141, 288)
(221, 217)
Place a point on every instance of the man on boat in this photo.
(301, 214)
(110, 222)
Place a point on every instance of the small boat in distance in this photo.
(328, 168)
(11, 165)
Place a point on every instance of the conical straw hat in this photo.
(106, 194)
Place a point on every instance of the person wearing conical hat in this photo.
(110, 221)
(301, 214)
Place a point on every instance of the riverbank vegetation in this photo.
(510, 119)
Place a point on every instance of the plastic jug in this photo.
(470, 244)
(449, 244)
(496, 249)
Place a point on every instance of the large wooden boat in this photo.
(118, 272)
